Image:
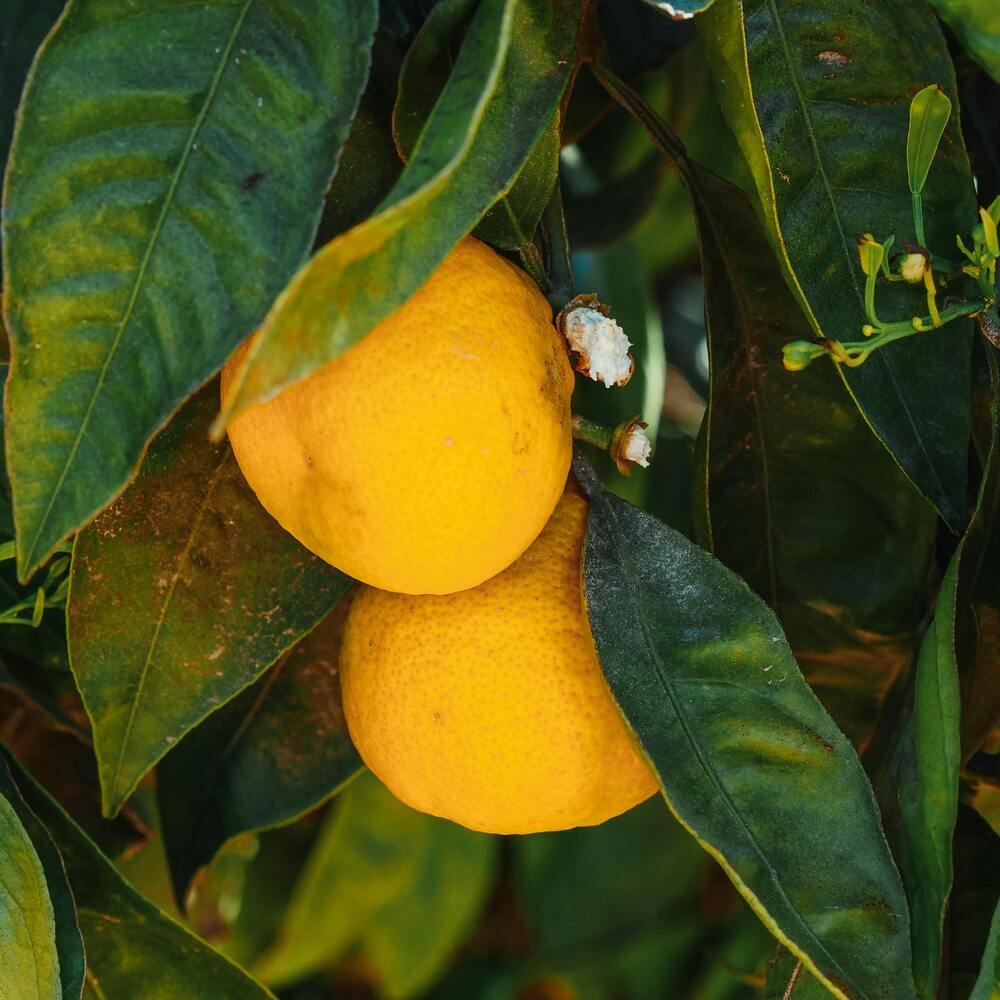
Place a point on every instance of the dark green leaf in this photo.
(23, 26)
(988, 984)
(921, 791)
(165, 181)
(274, 752)
(746, 755)
(133, 949)
(977, 24)
(844, 569)
(818, 92)
(507, 82)
(42, 950)
(183, 593)
(977, 631)
(392, 866)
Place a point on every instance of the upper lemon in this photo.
(428, 456)
(489, 707)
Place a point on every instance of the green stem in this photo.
(918, 217)
(591, 433)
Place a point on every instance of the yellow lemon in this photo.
(488, 707)
(428, 456)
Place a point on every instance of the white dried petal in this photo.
(637, 447)
(601, 344)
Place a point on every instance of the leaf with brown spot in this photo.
(274, 752)
(183, 592)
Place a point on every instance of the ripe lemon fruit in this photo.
(428, 456)
(489, 707)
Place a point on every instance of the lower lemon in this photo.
(488, 707)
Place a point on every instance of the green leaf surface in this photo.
(23, 26)
(154, 207)
(977, 25)
(844, 571)
(930, 110)
(988, 984)
(500, 98)
(133, 949)
(977, 630)
(183, 593)
(275, 751)
(42, 950)
(393, 868)
(817, 93)
(921, 791)
(747, 757)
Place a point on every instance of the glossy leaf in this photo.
(506, 85)
(988, 983)
(511, 222)
(977, 25)
(153, 210)
(274, 752)
(392, 867)
(844, 572)
(183, 593)
(133, 949)
(746, 755)
(922, 787)
(23, 27)
(817, 93)
(42, 953)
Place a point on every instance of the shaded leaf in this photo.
(42, 950)
(393, 867)
(746, 755)
(183, 593)
(988, 984)
(844, 571)
(921, 791)
(507, 82)
(817, 92)
(153, 210)
(977, 630)
(977, 25)
(133, 949)
(275, 751)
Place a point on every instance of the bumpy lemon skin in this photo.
(429, 456)
(488, 707)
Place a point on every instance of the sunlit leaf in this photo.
(165, 181)
(274, 752)
(746, 755)
(42, 953)
(393, 867)
(506, 84)
(133, 949)
(183, 593)
(817, 93)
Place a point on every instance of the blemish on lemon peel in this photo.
(600, 344)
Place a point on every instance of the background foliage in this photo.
(797, 606)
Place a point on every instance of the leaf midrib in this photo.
(137, 285)
(686, 726)
(879, 357)
(113, 790)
